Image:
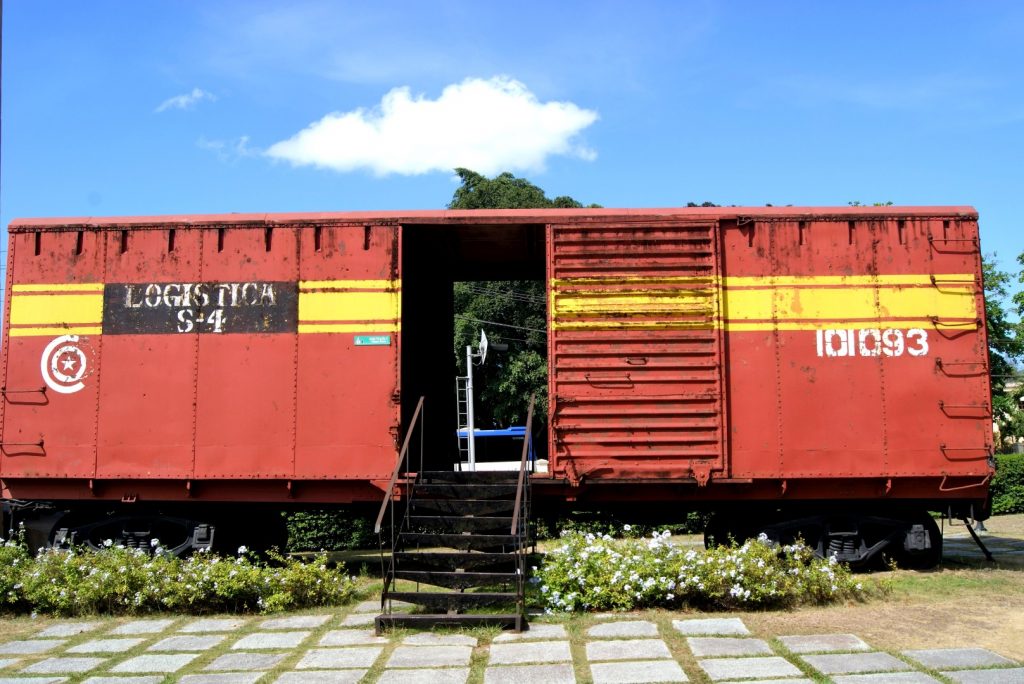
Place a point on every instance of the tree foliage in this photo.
(504, 191)
(511, 311)
(1005, 347)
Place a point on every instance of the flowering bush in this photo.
(590, 572)
(13, 560)
(117, 580)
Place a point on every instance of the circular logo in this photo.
(64, 364)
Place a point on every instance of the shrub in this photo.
(600, 523)
(329, 530)
(1008, 484)
(588, 572)
(14, 558)
(116, 580)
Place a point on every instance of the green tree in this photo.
(513, 312)
(504, 191)
(1005, 347)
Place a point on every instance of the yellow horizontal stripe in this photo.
(796, 302)
(55, 330)
(839, 304)
(904, 324)
(952, 279)
(56, 309)
(762, 326)
(349, 327)
(644, 303)
(634, 325)
(775, 281)
(633, 280)
(58, 287)
(349, 306)
(350, 284)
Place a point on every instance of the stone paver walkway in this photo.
(333, 647)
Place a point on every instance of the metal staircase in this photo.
(458, 544)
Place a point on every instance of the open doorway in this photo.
(461, 264)
(513, 314)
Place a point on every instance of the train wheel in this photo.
(144, 532)
(921, 547)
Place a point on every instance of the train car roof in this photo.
(489, 216)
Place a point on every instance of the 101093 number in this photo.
(872, 342)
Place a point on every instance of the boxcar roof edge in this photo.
(488, 216)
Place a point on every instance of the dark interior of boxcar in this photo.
(434, 257)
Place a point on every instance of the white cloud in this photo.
(186, 101)
(487, 125)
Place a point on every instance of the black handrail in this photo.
(390, 492)
(389, 502)
(528, 439)
(520, 519)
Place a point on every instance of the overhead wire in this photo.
(501, 325)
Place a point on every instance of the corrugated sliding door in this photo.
(635, 351)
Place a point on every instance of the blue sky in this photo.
(157, 107)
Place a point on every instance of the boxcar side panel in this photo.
(348, 345)
(245, 396)
(50, 393)
(147, 386)
(857, 320)
(201, 352)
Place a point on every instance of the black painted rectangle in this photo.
(205, 307)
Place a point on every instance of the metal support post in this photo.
(470, 438)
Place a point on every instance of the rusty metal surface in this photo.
(636, 384)
(716, 353)
(201, 354)
(854, 347)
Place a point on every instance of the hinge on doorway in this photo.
(701, 471)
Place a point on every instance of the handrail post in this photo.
(390, 491)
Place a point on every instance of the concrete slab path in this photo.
(339, 646)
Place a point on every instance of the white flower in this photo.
(154, 542)
(243, 549)
(627, 527)
(108, 543)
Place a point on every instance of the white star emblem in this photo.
(68, 363)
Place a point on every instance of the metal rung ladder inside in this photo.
(462, 411)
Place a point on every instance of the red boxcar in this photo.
(770, 362)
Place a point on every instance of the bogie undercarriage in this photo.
(177, 530)
(863, 539)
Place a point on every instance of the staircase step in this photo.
(455, 560)
(448, 490)
(460, 523)
(430, 620)
(457, 580)
(453, 600)
(462, 506)
(464, 477)
(478, 542)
